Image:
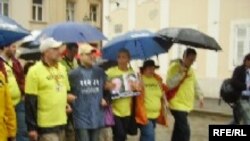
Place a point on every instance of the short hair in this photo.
(4, 46)
(27, 67)
(70, 46)
(124, 50)
(189, 51)
(246, 58)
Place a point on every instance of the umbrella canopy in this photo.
(10, 31)
(141, 45)
(191, 37)
(28, 41)
(72, 32)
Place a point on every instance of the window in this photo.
(241, 42)
(118, 28)
(93, 12)
(4, 7)
(37, 10)
(70, 11)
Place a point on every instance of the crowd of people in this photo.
(64, 98)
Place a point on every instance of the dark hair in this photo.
(123, 50)
(27, 67)
(189, 51)
(246, 58)
(70, 46)
(4, 46)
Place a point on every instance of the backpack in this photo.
(227, 92)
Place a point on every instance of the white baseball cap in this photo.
(49, 43)
(86, 48)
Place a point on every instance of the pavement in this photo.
(214, 106)
(212, 113)
(200, 119)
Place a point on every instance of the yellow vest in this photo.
(185, 96)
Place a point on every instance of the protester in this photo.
(69, 60)
(241, 83)
(46, 95)
(7, 113)
(150, 104)
(183, 86)
(121, 107)
(14, 74)
(88, 83)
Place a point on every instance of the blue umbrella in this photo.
(141, 45)
(10, 31)
(72, 32)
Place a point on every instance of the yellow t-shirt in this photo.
(50, 85)
(12, 84)
(153, 95)
(121, 107)
(69, 65)
(185, 96)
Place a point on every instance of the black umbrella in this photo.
(30, 54)
(188, 36)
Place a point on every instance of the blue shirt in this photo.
(88, 85)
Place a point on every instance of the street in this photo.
(199, 123)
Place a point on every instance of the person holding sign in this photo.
(122, 106)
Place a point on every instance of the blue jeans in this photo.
(87, 134)
(148, 131)
(22, 133)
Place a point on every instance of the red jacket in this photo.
(17, 70)
(140, 111)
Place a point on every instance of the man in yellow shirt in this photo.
(181, 77)
(14, 75)
(70, 62)
(7, 127)
(46, 95)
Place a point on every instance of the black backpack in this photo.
(227, 92)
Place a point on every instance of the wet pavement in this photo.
(199, 123)
(214, 107)
(200, 119)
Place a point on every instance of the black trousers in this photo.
(120, 128)
(181, 130)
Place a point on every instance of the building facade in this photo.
(37, 14)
